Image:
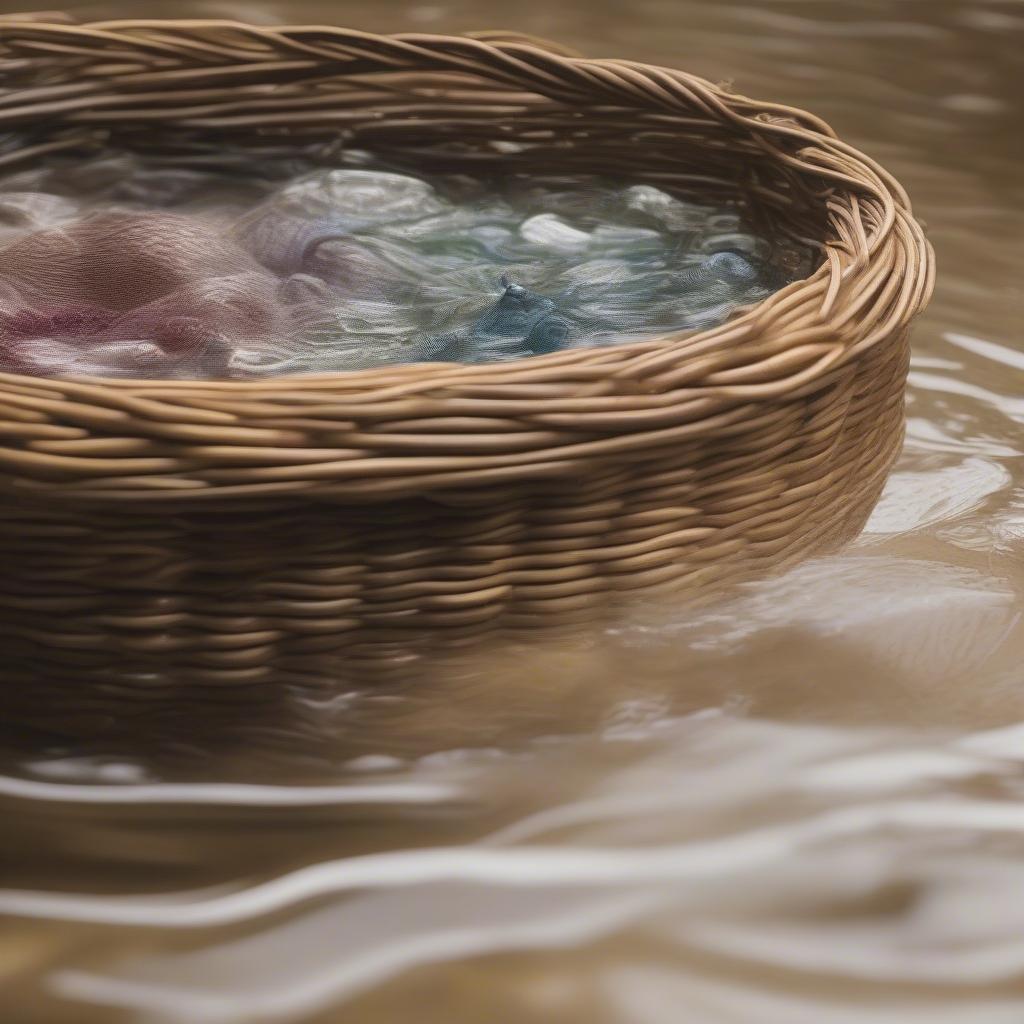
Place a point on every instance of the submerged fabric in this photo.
(125, 269)
(152, 294)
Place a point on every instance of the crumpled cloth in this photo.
(344, 269)
(131, 294)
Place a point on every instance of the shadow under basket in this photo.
(282, 529)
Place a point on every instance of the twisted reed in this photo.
(236, 531)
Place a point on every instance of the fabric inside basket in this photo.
(123, 267)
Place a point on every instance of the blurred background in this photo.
(802, 805)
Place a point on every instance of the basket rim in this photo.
(877, 274)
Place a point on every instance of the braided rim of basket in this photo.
(411, 429)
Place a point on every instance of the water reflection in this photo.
(802, 804)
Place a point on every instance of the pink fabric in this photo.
(150, 294)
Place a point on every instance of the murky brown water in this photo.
(804, 806)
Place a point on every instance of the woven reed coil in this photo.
(245, 531)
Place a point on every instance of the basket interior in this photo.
(471, 112)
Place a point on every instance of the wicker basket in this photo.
(236, 532)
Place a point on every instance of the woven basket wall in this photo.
(237, 532)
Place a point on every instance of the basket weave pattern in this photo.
(230, 531)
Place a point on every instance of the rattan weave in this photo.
(231, 531)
